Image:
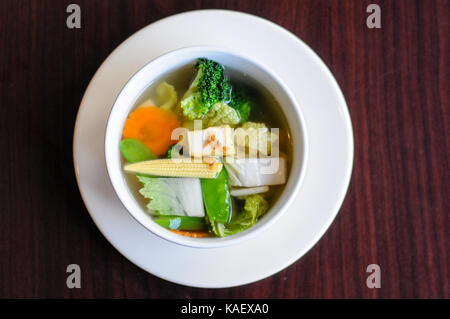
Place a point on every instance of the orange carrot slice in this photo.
(194, 234)
(152, 126)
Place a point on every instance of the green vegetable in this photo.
(255, 206)
(173, 196)
(135, 151)
(240, 101)
(181, 222)
(209, 87)
(174, 151)
(221, 114)
(167, 96)
(217, 198)
(232, 113)
(171, 152)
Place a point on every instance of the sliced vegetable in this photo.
(181, 167)
(173, 196)
(246, 191)
(194, 234)
(251, 172)
(217, 198)
(167, 96)
(153, 126)
(255, 207)
(135, 151)
(181, 222)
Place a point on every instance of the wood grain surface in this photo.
(395, 80)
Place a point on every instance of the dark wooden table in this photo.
(395, 80)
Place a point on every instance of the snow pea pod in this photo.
(217, 198)
(135, 151)
(181, 222)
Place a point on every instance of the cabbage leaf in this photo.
(173, 196)
(221, 114)
(255, 207)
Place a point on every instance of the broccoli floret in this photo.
(240, 101)
(209, 87)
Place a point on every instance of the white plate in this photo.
(330, 157)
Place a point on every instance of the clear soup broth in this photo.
(264, 109)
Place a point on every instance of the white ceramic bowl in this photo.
(140, 81)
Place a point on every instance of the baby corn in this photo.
(208, 168)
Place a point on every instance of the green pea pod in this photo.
(181, 222)
(135, 151)
(217, 198)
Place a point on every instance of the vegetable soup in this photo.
(206, 150)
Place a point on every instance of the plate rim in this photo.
(341, 194)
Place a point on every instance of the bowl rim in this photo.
(215, 242)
